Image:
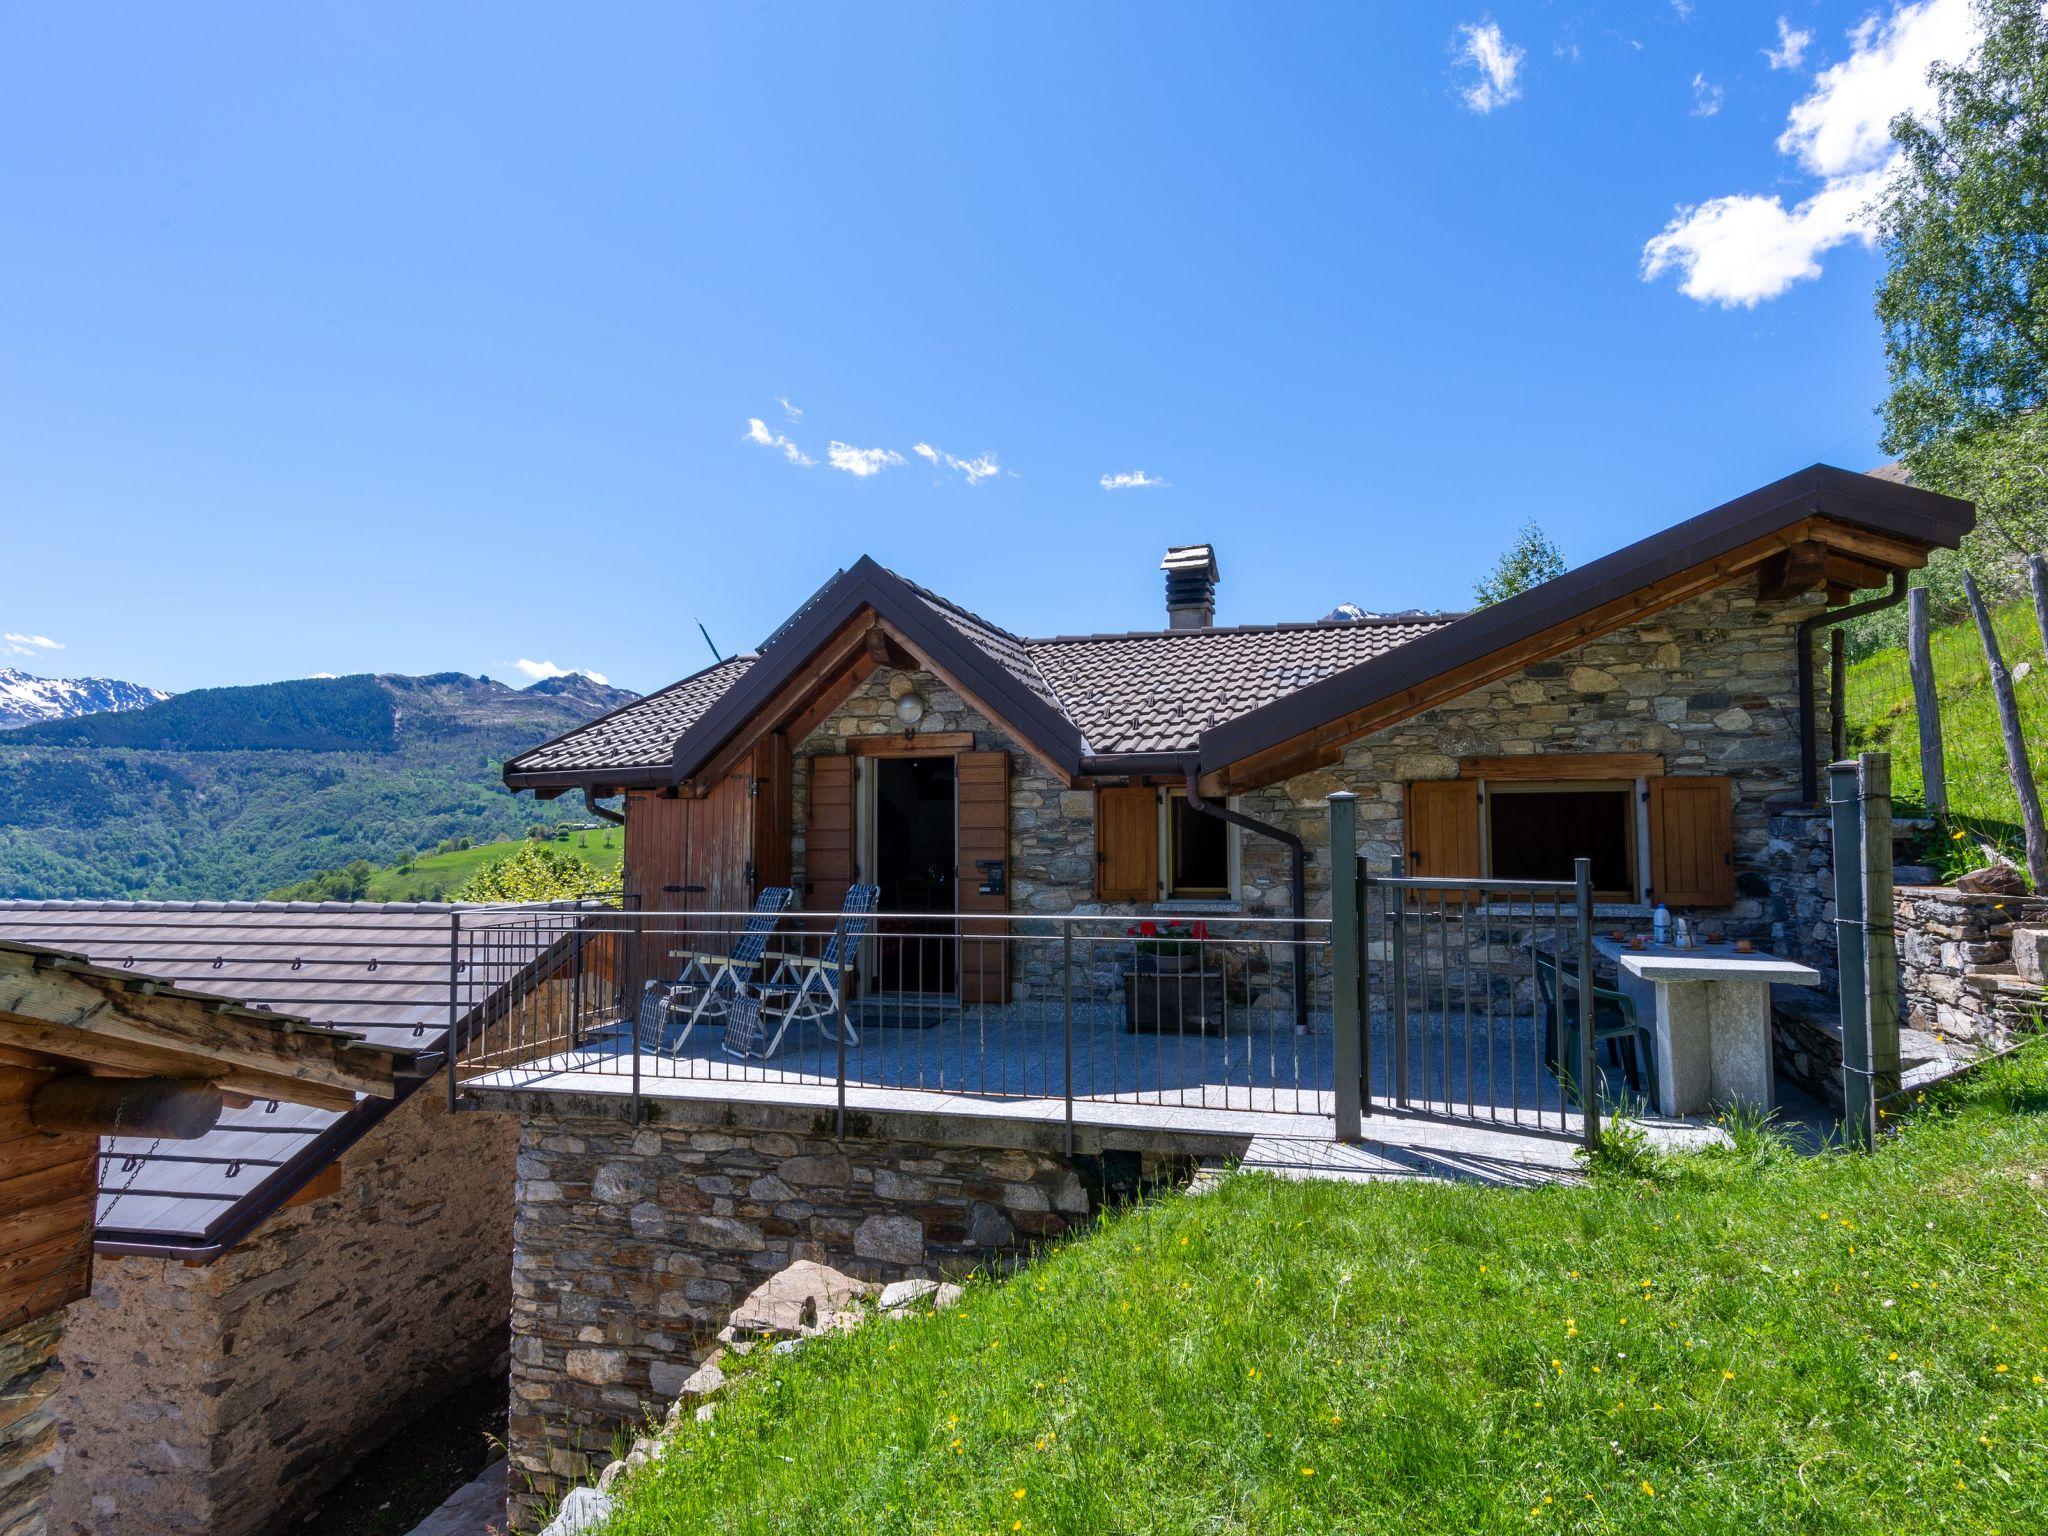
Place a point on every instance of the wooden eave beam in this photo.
(57, 1044)
(1273, 766)
(211, 1036)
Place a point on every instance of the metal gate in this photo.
(1465, 999)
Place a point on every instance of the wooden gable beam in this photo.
(212, 1038)
(943, 675)
(61, 1044)
(840, 665)
(1802, 568)
(1555, 641)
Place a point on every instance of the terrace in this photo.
(1081, 1027)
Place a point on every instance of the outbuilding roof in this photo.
(1217, 697)
(378, 971)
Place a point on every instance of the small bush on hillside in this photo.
(538, 872)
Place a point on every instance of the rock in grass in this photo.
(1993, 880)
(805, 1299)
(585, 1509)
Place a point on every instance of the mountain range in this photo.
(226, 793)
(26, 699)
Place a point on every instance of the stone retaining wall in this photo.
(1957, 979)
(633, 1244)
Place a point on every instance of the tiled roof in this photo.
(1146, 692)
(1159, 692)
(376, 970)
(1006, 650)
(641, 734)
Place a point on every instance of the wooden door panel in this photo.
(1692, 844)
(981, 789)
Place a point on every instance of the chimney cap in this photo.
(1191, 559)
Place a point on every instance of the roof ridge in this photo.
(1277, 627)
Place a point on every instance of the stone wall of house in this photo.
(1711, 686)
(29, 1375)
(633, 1244)
(215, 1397)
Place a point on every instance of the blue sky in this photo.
(397, 338)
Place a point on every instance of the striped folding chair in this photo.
(707, 984)
(810, 987)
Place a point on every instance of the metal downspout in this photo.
(1809, 743)
(1297, 883)
(617, 818)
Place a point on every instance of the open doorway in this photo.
(914, 865)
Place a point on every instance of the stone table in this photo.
(1709, 1009)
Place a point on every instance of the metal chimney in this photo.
(1190, 586)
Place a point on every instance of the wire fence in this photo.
(1982, 804)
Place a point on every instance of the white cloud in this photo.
(538, 670)
(794, 412)
(1497, 61)
(1792, 46)
(1742, 249)
(1132, 480)
(1706, 96)
(39, 642)
(327, 674)
(1683, 8)
(978, 469)
(757, 432)
(861, 462)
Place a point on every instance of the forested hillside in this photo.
(228, 793)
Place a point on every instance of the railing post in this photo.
(1845, 807)
(839, 1011)
(454, 1000)
(1397, 896)
(1344, 961)
(1067, 998)
(1588, 1067)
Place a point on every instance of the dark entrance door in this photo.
(914, 858)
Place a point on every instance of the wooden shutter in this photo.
(828, 834)
(1692, 844)
(981, 804)
(1443, 829)
(1127, 844)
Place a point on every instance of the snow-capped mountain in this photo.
(25, 699)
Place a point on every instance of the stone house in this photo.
(1643, 710)
(275, 1297)
(1646, 711)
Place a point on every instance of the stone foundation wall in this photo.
(633, 1244)
(29, 1375)
(215, 1398)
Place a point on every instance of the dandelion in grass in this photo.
(1308, 1471)
(1999, 1370)
(1648, 1491)
(1018, 1494)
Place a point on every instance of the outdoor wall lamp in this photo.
(910, 710)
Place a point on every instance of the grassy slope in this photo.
(449, 872)
(1748, 1343)
(1882, 717)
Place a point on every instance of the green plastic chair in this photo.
(1615, 1025)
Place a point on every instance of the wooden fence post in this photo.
(1346, 955)
(1926, 704)
(2015, 741)
(1838, 695)
(1880, 939)
(2037, 583)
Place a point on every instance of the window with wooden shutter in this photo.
(1443, 829)
(1127, 844)
(1692, 843)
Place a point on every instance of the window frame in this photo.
(1637, 831)
(1230, 891)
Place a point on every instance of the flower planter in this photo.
(1177, 1001)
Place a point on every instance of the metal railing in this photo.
(1468, 999)
(1010, 1010)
